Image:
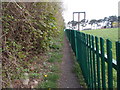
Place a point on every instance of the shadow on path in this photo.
(67, 79)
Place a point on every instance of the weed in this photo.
(54, 68)
(34, 75)
(52, 77)
(78, 72)
(48, 84)
(56, 57)
(52, 59)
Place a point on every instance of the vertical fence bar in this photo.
(98, 62)
(76, 44)
(81, 34)
(118, 64)
(72, 40)
(109, 56)
(85, 57)
(102, 63)
(94, 71)
(88, 63)
(68, 35)
(91, 61)
(80, 51)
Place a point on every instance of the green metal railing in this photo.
(90, 54)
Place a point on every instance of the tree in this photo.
(99, 21)
(112, 19)
(93, 22)
(72, 24)
(83, 22)
(104, 21)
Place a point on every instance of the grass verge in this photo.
(50, 78)
(77, 70)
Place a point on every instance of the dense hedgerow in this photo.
(27, 29)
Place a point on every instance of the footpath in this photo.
(68, 79)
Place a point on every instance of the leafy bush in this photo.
(28, 29)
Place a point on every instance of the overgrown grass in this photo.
(77, 70)
(48, 84)
(54, 68)
(55, 56)
(49, 81)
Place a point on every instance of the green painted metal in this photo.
(118, 63)
(94, 67)
(76, 45)
(91, 64)
(103, 62)
(90, 54)
(109, 56)
(98, 62)
(88, 63)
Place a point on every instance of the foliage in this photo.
(51, 77)
(79, 74)
(93, 21)
(28, 29)
(49, 81)
(83, 22)
(112, 19)
(48, 84)
(109, 21)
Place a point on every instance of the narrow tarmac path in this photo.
(68, 79)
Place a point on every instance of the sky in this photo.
(95, 9)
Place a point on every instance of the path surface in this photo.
(67, 79)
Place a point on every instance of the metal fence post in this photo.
(76, 47)
(91, 62)
(109, 56)
(98, 62)
(94, 62)
(102, 63)
(118, 63)
(88, 64)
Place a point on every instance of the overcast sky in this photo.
(95, 9)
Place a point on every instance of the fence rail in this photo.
(97, 68)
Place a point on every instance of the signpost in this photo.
(79, 18)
